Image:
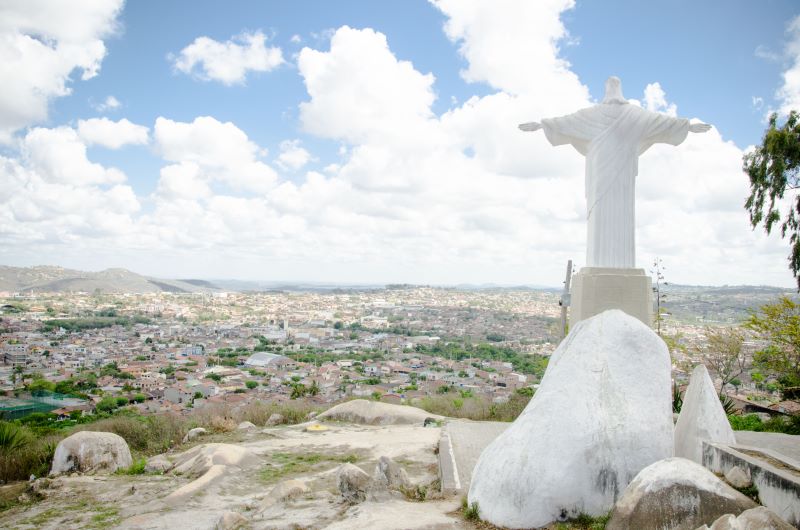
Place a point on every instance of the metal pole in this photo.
(565, 299)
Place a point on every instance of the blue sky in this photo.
(423, 179)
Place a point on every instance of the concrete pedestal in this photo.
(595, 289)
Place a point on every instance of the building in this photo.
(270, 360)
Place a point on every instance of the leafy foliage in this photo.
(773, 170)
(779, 324)
(724, 353)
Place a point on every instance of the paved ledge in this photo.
(776, 476)
(461, 444)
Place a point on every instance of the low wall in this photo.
(776, 477)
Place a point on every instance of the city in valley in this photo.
(456, 351)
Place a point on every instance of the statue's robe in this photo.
(612, 136)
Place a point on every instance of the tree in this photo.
(298, 390)
(107, 404)
(724, 354)
(778, 324)
(313, 390)
(773, 168)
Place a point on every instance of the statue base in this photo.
(596, 289)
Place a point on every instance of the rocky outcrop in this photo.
(389, 475)
(675, 494)
(157, 464)
(275, 419)
(193, 434)
(353, 483)
(375, 413)
(91, 452)
(702, 418)
(231, 521)
(209, 463)
(738, 478)
(198, 460)
(602, 413)
(246, 426)
(759, 518)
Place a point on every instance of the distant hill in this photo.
(58, 279)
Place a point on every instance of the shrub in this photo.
(471, 512)
(137, 468)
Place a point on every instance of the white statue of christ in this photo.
(612, 135)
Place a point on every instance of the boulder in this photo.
(246, 426)
(289, 489)
(388, 474)
(675, 494)
(275, 419)
(91, 452)
(231, 521)
(376, 413)
(760, 518)
(738, 478)
(157, 464)
(198, 460)
(194, 433)
(602, 413)
(353, 483)
(702, 418)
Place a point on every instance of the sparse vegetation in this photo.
(479, 408)
(137, 468)
(471, 512)
(285, 464)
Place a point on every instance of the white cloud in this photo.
(788, 94)
(112, 134)
(296, 39)
(41, 44)
(293, 157)
(109, 104)
(228, 62)
(360, 90)
(655, 100)
(52, 195)
(59, 156)
(220, 152)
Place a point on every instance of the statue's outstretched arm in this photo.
(696, 127)
(530, 126)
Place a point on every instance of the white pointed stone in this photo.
(702, 418)
(602, 413)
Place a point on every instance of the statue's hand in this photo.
(530, 126)
(699, 127)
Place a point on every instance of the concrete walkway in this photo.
(461, 445)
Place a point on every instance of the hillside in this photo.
(58, 279)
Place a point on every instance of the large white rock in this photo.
(675, 494)
(702, 418)
(602, 413)
(91, 452)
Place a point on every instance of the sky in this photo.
(376, 142)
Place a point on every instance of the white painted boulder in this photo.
(602, 413)
(675, 494)
(91, 452)
(702, 418)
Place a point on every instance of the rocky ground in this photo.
(278, 477)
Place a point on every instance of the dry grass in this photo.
(479, 408)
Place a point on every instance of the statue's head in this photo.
(614, 91)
